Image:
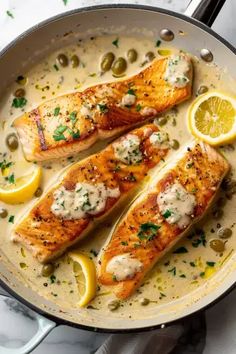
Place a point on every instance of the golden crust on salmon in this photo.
(73, 122)
(59, 219)
(160, 217)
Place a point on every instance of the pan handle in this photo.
(44, 327)
(205, 11)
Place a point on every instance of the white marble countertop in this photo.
(15, 329)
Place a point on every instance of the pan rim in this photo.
(31, 30)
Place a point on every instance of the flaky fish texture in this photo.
(199, 169)
(73, 122)
(48, 235)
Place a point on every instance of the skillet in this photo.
(199, 36)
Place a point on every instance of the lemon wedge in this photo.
(22, 189)
(212, 118)
(85, 274)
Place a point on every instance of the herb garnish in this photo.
(211, 264)
(200, 240)
(10, 14)
(173, 271)
(103, 108)
(182, 276)
(116, 42)
(56, 67)
(73, 118)
(148, 231)
(52, 278)
(58, 133)
(56, 111)
(181, 250)
(166, 214)
(158, 43)
(4, 165)
(131, 177)
(11, 219)
(114, 277)
(192, 264)
(11, 178)
(19, 102)
(65, 2)
(138, 107)
(94, 253)
(131, 92)
(124, 243)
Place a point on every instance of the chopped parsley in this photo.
(182, 276)
(11, 178)
(94, 253)
(167, 214)
(181, 250)
(158, 43)
(65, 2)
(4, 165)
(192, 264)
(131, 177)
(173, 271)
(200, 240)
(59, 133)
(189, 165)
(202, 274)
(211, 264)
(56, 67)
(19, 102)
(56, 111)
(53, 278)
(131, 92)
(162, 295)
(11, 219)
(138, 107)
(124, 243)
(148, 231)
(10, 14)
(73, 116)
(116, 42)
(114, 277)
(103, 108)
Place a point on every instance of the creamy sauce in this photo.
(128, 100)
(84, 199)
(124, 267)
(177, 71)
(177, 274)
(127, 150)
(176, 205)
(160, 140)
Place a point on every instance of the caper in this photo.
(132, 55)
(38, 192)
(62, 60)
(47, 270)
(3, 213)
(74, 61)
(119, 66)
(21, 80)
(217, 213)
(19, 92)
(224, 232)
(161, 121)
(217, 245)
(113, 305)
(149, 56)
(144, 301)
(202, 89)
(107, 61)
(12, 142)
(174, 144)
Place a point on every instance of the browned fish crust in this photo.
(105, 117)
(200, 171)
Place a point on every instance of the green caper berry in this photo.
(132, 55)
(3, 213)
(217, 245)
(161, 121)
(224, 232)
(174, 144)
(202, 89)
(47, 270)
(19, 92)
(217, 213)
(149, 56)
(107, 61)
(74, 61)
(62, 60)
(113, 305)
(119, 66)
(12, 142)
(38, 192)
(144, 301)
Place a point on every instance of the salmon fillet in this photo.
(151, 226)
(48, 234)
(73, 122)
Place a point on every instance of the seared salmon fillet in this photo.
(73, 122)
(160, 217)
(88, 190)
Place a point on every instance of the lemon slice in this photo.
(22, 189)
(212, 118)
(85, 274)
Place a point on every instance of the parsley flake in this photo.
(211, 264)
(65, 2)
(19, 102)
(124, 243)
(138, 107)
(58, 133)
(167, 214)
(116, 42)
(103, 108)
(4, 165)
(181, 250)
(158, 43)
(148, 231)
(53, 278)
(11, 178)
(56, 111)
(11, 219)
(173, 271)
(131, 92)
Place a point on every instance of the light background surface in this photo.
(15, 328)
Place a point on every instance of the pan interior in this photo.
(175, 287)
